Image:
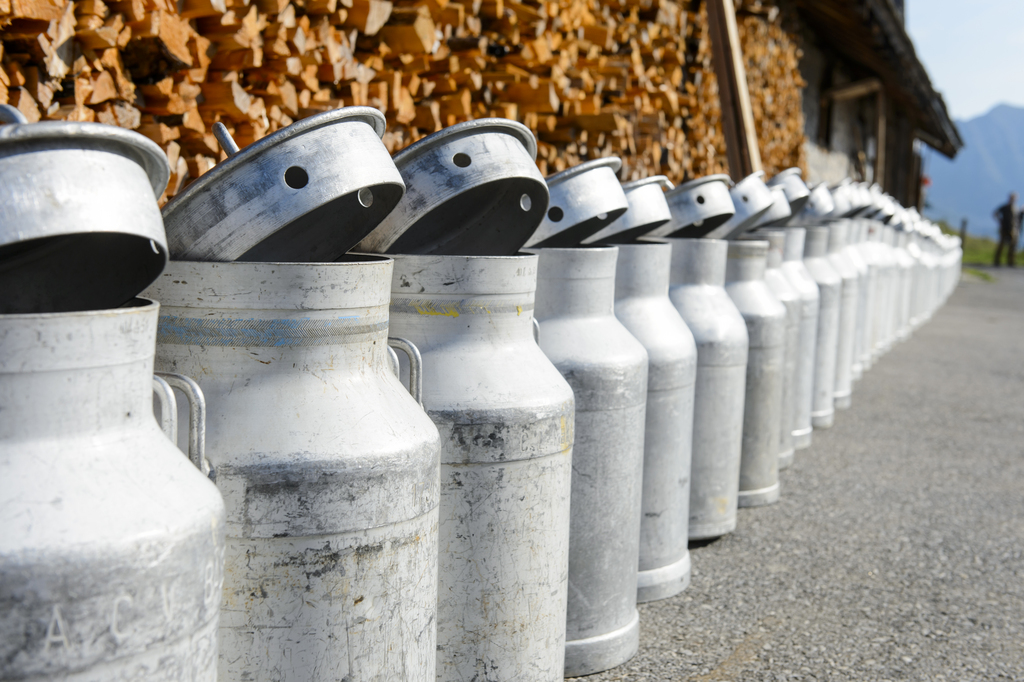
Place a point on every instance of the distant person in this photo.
(1008, 215)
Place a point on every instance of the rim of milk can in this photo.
(648, 209)
(792, 183)
(584, 199)
(752, 199)
(280, 198)
(471, 189)
(698, 207)
(80, 227)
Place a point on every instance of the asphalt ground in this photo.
(897, 550)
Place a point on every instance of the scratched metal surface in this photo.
(506, 419)
(765, 318)
(328, 467)
(698, 293)
(830, 286)
(607, 369)
(896, 551)
(643, 306)
(112, 542)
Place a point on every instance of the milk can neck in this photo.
(776, 246)
(794, 249)
(698, 261)
(746, 261)
(479, 294)
(576, 282)
(64, 374)
(838, 233)
(642, 270)
(816, 242)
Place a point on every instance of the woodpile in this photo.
(591, 77)
(772, 61)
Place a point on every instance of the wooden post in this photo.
(880, 135)
(963, 231)
(737, 115)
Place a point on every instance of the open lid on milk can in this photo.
(473, 189)
(584, 199)
(779, 212)
(697, 206)
(792, 183)
(648, 210)
(80, 228)
(752, 199)
(306, 193)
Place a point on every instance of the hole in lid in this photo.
(461, 160)
(296, 177)
(555, 214)
(744, 197)
(700, 198)
(365, 197)
(525, 202)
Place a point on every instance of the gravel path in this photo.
(896, 551)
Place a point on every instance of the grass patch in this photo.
(977, 250)
(980, 274)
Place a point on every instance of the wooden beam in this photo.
(856, 90)
(737, 115)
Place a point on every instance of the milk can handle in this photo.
(168, 408)
(196, 419)
(415, 365)
(9, 114)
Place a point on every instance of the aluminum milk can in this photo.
(506, 420)
(906, 266)
(111, 555)
(643, 306)
(830, 286)
(788, 296)
(854, 237)
(752, 199)
(798, 276)
(607, 369)
(698, 207)
(870, 256)
(886, 291)
(697, 290)
(842, 264)
(914, 250)
(765, 318)
(328, 467)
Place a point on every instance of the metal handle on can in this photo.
(415, 365)
(9, 114)
(536, 331)
(168, 408)
(227, 143)
(196, 419)
(395, 366)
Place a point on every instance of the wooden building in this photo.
(868, 102)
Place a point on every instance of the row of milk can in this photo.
(444, 418)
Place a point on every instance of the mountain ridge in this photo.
(982, 175)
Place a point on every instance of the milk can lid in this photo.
(79, 227)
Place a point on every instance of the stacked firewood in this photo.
(591, 77)
(772, 61)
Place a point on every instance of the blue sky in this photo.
(974, 51)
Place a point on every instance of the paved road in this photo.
(897, 551)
